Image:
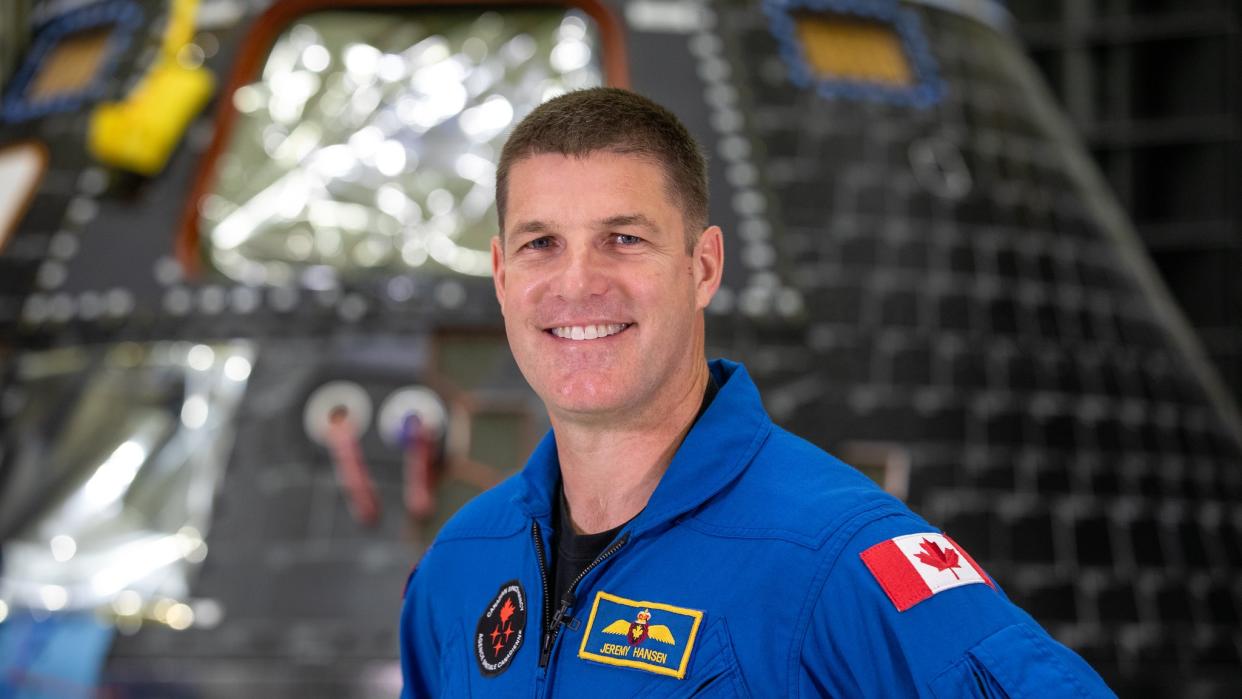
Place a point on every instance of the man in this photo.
(666, 539)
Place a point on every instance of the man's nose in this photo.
(584, 272)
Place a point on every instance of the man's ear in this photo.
(498, 271)
(708, 262)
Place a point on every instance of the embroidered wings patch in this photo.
(650, 636)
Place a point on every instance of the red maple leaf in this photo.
(938, 558)
(507, 609)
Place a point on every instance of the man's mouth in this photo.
(588, 332)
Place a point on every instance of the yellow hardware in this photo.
(140, 132)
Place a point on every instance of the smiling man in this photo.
(665, 538)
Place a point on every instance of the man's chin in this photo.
(591, 405)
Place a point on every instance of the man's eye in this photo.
(625, 239)
(539, 243)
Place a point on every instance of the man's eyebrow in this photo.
(531, 227)
(623, 220)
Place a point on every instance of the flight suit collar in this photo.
(715, 452)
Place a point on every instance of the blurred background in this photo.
(250, 357)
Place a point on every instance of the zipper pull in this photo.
(562, 613)
(560, 618)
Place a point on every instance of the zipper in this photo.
(552, 624)
(543, 580)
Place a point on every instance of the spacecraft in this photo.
(251, 360)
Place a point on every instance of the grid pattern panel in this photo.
(967, 301)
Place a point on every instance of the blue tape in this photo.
(928, 88)
(123, 16)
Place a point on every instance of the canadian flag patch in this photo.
(914, 567)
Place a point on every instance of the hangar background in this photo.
(1153, 88)
(250, 360)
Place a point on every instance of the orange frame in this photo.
(267, 29)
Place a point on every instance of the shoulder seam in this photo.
(786, 535)
(813, 541)
(854, 522)
(483, 517)
(469, 536)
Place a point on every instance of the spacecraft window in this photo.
(71, 59)
(852, 48)
(71, 66)
(109, 482)
(362, 145)
(847, 50)
(21, 169)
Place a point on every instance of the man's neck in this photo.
(610, 471)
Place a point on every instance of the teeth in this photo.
(589, 332)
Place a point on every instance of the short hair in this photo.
(610, 119)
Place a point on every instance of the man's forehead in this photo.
(617, 188)
(553, 163)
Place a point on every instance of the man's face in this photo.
(602, 303)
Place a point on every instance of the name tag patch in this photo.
(650, 636)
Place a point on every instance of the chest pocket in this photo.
(713, 673)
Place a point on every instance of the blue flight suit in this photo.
(743, 576)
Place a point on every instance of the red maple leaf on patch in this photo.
(938, 558)
(507, 609)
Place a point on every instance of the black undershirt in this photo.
(574, 552)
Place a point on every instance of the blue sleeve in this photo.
(419, 642)
(967, 641)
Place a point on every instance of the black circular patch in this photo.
(501, 629)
